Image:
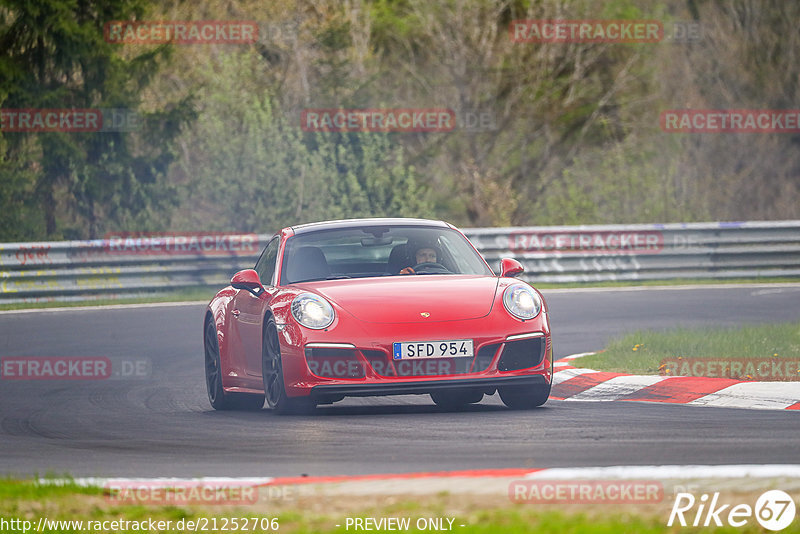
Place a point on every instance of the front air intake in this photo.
(522, 354)
(334, 363)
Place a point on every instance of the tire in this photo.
(219, 399)
(524, 397)
(457, 398)
(272, 375)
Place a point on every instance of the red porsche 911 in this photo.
(372, 307)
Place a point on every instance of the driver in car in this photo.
(424, 254)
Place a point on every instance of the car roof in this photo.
(356, 223)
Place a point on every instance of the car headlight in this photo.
(522, 301)
(312, 311)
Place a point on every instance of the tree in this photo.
(54, 57)
(251, 168)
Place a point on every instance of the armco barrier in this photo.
(646, 251)
(103, 268)
(74, 270)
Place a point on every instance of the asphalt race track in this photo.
(162, 424)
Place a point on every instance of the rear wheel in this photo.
(456, 398)
(272, 375)
(524, 397)
(219, 399)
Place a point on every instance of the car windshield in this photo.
(370, 251)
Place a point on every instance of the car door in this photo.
(248, 310)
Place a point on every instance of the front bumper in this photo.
(325, 392)
(359, 361)
(329, 374)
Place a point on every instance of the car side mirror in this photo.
(248, 280)
(510, 267)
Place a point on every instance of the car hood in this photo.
(404, 299)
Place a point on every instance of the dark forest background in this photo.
(575, 137)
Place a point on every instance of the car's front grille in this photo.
(485, 356)
(522, 354)
(384, 366)
(342, 363)
(334, 363)
(429, 367)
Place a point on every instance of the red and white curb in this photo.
(579, 384)
(490, 482)
(550, 473)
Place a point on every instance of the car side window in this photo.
(265, 266)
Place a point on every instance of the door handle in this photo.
(235, 313)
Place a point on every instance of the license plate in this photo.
(415, 350)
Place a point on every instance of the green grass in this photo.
(28, 500)
(642, 352)
(26, 490)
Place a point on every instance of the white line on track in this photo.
(617, 387)
(106, 307)
(753, 395)
(669, 471)
(781, 285)
(578, 355)
(566, 374)
(765, 286)
(158, 482)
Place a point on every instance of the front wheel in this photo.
(219, 399)
(524, 397)
(272, 375)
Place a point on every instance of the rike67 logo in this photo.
(774, 510)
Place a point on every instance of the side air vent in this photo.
(334, 363)
(522, 354)
(485, 356)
